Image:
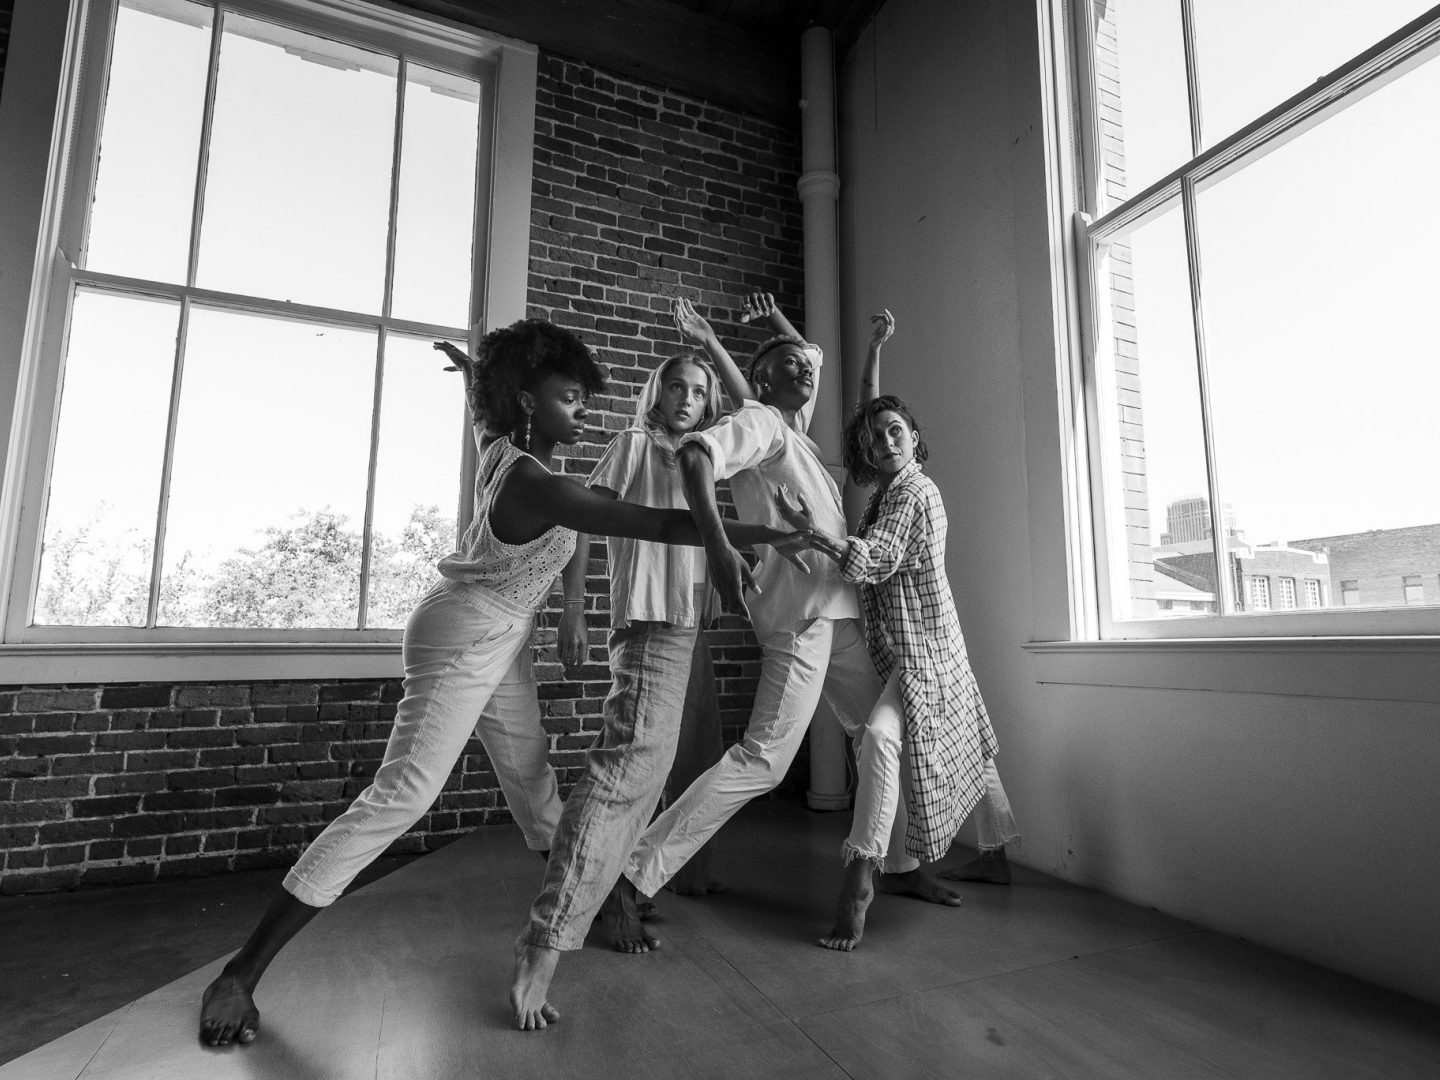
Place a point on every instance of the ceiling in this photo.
(741, 53)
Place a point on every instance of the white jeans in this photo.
(466, 657)
(994, 822)
(819, 657)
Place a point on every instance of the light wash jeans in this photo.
(625, 771)
(819, 657)
(466, 657)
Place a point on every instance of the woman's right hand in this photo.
(574, 638)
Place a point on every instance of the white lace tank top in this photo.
(521, 573)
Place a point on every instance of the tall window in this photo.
(272, 213)
(1287, 594)
(1255, 283)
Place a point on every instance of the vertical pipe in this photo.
(819, 189)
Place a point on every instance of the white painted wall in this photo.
(1300, 818)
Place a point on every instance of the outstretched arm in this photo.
(464, 363)
(870, 373)
(695, 329)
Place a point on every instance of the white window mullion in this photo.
(386, 303)
(207, 122)
(1224, 587)
(167, 467)
(1192, 75)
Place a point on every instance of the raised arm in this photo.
(870, 373)
(464, 363)
(695, 329)
(761, 305)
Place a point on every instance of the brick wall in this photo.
(639, 195)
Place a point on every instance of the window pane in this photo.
(436, 216)
(1162, 555)
(109, 449)
(297, 196)
(150, 141)
(271, 458)
(1321, 345)
(1254, 54)
(1144, 111)
(423, 427)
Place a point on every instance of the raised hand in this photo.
(758, 305)
(883, 328)
(689, 322)
(460, 360)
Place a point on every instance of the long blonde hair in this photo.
(647, 408)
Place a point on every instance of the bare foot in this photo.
(856, 892)
(918, 884)
(991, 867)
(621, 916)
(534, 968)
(228, 1013)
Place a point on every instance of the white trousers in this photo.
(466, 657)
(819, 657)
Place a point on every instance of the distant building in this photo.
(1271, 577)
(1188, 520)
(1388, 567)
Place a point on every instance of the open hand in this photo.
(758, 305)
(790, 546)
(689, 322)
(796, 513)
(460, 360)
(883, 328)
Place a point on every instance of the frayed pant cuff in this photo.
(849, 853)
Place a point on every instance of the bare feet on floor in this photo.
(990, 867)
(920, 885)
(534, 968)
(621, 916)
(228, 1013)
(856, 892)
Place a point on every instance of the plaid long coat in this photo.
(898, 559)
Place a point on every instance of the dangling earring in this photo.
(525, 438)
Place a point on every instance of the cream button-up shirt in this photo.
(757, 451)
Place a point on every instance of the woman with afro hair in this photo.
(467, 637)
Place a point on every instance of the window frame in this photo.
(1091, 231)
(64, 75)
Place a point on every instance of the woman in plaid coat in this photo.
(898, 558)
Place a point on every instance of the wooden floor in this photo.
(407, 979)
